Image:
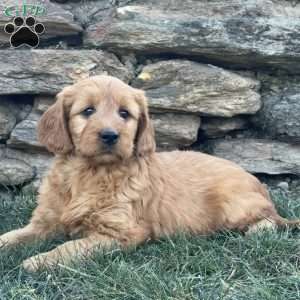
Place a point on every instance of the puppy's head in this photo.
(100, 118)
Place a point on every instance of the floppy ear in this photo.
(145, 140)
(53, 129)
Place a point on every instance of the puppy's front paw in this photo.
(6, 240)
(3, 243)
(12, 238)
(31, 265)
(35, 263)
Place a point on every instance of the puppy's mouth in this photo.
(107, 157)
(107, 149)
(101, 153)
(108, 153)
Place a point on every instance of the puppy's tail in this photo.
(283, 222)
(277, 219)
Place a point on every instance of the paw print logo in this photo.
(24, 32)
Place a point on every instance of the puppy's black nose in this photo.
(108, 136)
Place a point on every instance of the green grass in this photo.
(224, 266)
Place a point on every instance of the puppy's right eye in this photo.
(88, 112)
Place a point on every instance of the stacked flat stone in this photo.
(219, 75)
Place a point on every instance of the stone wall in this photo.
(222, 76)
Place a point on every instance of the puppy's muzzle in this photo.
(108, 137)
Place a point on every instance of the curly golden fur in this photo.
(115, 189)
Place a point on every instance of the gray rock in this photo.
(88, 12)
(48, 71)
(260, 156)
(7, 119)
(42, 103)
(58, 23)
(24, 134)
(219, 127)
(247, 33)
(13, 171)
(279, 116)
(31, 153)
(24, 110)
(185, 86)
(38, 162)
(283, 185)
(11, 112)
(175, 130)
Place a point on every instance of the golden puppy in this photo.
(108, 186)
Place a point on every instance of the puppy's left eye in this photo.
(88, 111)
(124, 114)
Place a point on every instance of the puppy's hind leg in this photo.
(272, 223)
(264, 224)
(250, 212)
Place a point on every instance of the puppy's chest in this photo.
(98, 201)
